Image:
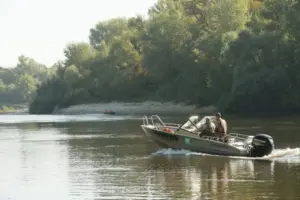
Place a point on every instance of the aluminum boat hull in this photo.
(182, 139)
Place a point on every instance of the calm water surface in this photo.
(109, 157)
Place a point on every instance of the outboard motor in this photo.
(262, 145)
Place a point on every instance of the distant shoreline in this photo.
(14, 109)
(148, 107)
(141, 108)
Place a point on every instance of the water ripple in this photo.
(116, 161)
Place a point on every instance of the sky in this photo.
(40, 29)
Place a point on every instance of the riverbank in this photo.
(13, 108)
(149, 107)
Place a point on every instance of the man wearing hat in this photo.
(221, 125)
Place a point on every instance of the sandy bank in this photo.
(136, 108)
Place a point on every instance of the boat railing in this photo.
(236, 136)
(172, 124)
(156, 117)
(145, 120)
(156, 121)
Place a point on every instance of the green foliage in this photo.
(242, 55)
(48, 96)
(18, 84)
(6, 109)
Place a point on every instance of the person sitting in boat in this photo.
(207, 129)
(221, 126)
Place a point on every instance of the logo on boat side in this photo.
(187, 140)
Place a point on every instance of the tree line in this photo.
(240, 55)
(18, 84)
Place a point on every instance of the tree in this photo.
(229, 53)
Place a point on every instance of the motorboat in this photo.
(187, 136)
(110, 112)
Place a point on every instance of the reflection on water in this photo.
(61, 118)
(115, 160)
(29, 170)
(221, 178)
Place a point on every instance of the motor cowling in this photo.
(262, 145)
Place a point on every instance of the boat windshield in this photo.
(195, 123)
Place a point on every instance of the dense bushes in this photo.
(239, 55)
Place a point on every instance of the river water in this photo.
(109, 157)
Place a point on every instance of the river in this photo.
(109, 157)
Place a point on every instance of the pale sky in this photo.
(40, 29)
